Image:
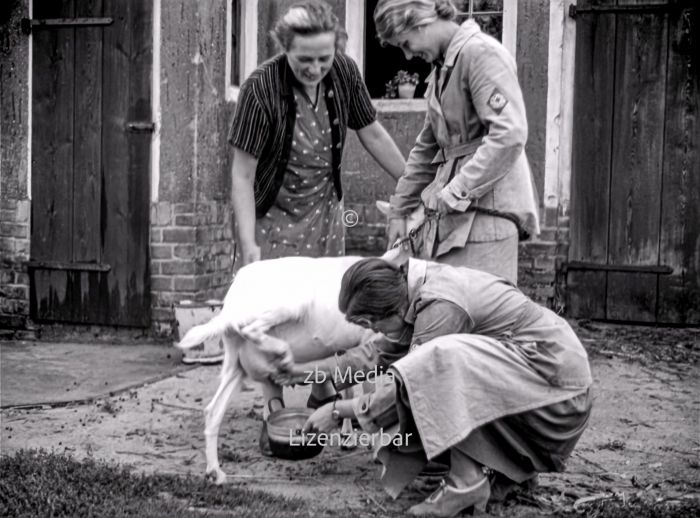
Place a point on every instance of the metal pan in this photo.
(284, 429)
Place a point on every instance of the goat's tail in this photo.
(201, 333)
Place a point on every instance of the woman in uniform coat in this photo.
(468, 166)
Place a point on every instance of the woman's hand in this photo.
(395, 230)
(250, 253)
(321, 421)
(293, 374)
(441, 205)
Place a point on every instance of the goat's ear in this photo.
(398, 256)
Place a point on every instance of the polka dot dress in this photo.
(306, 218)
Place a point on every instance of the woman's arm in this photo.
(243, 199)
(249, 133)
(418, 174)
(373, 411)
(376, 140)
(439, 317)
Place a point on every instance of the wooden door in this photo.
(91, 114)
(635, 223)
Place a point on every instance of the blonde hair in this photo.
(394, 17)
(308, 18)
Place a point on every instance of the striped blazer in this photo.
(265, 115)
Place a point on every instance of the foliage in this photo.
(401, 77)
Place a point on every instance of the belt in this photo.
(458, 151)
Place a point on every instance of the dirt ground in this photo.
(644, 436)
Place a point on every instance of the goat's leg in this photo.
(231, 380)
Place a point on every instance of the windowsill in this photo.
(381, 105)
(399, 105)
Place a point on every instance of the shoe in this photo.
(448, 501)
(264, 441)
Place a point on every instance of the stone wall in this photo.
(191, 233)
(14, 252)
(532, 56)
(15, 208)
(364, 181)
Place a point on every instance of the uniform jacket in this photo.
(471, 148)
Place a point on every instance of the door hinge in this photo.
(31, 24)
(574, 11)
(65, 265)
(141, 127)
(629, 268)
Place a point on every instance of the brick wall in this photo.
(539, 260)
(191, 256)
(14, 251)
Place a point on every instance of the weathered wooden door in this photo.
(91, 134)
(635, 224)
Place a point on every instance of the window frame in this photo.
(248, 44)
(355, 27)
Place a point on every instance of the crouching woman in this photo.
(488, 375)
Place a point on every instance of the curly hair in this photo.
(394, 17)
(308, 18)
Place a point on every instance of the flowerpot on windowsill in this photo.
(407, 90)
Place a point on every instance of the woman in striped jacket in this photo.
(288, 133)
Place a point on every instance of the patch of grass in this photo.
(39, 483)
(635, 507)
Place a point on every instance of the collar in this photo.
(417, 270)
(461, 36)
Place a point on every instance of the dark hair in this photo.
(308, 18)
(373, 289)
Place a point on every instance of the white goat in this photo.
(276, 311)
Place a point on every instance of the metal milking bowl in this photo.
(284, 430)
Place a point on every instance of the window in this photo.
(487, 13)
(241, 43)
(381, 64)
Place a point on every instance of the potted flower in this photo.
(403, 85)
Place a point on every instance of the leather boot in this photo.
(448, 501)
